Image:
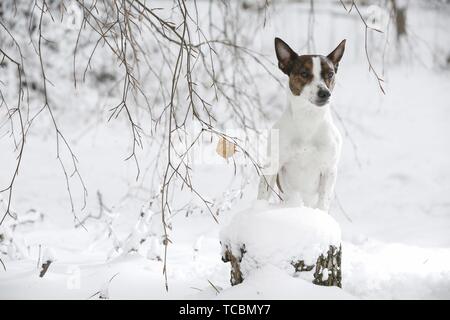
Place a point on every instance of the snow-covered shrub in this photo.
(12, 244)
(149, 230)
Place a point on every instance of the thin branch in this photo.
(366, 49)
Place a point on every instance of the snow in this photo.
(325, 274)
(48, 255)
(392, 193)
(280, 236)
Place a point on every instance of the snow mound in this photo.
(270, 282)
(279, 236)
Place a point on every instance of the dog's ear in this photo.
(285, 55)
(336, 55)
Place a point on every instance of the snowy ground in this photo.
(393, 189)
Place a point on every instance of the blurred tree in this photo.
(399, 16)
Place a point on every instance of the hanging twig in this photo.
(366, 49)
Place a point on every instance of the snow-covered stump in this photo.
(297, 239)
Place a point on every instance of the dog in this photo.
(309, 142)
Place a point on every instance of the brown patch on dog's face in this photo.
(301, 74)
(327, 72)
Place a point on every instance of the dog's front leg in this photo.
(326, 188)
(266, 185)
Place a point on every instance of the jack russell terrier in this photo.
(309, 143)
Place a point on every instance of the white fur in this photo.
(309, 149)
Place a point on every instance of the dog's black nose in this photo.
(324, 94)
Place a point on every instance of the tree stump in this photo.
(308, 243)
(235, 274)
(327, 268)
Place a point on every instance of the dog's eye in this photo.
(330, 74)
(304, 74)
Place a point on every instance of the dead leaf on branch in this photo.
(225, 148)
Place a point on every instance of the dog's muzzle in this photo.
(323, 96)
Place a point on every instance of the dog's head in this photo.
(310, 76)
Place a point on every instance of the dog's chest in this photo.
(305, 159)
(310, 155)
(306, 150)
